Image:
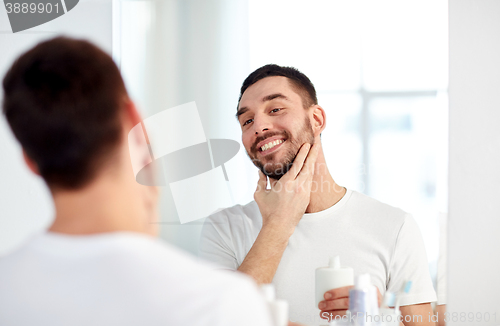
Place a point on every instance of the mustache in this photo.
(269, 135)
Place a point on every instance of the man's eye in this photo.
(247, 122)
(275, 110)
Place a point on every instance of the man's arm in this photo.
(417, 314)
(265, 255)
(440, 314)
(281, 208)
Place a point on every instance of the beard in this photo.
(276, 170)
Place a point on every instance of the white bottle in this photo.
(332, 277)
(277, 308)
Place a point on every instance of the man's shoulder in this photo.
(177, 267)
(127, 263)
(369, 205)
(137, 259)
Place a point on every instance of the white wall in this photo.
(25, 203)
(474, 212)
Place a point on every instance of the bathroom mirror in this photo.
(379, 68)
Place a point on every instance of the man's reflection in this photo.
(306, 217)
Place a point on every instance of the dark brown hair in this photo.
(63, 100)
(301, 84)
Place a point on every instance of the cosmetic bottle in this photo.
(331, 277)
(277, 308)
(363, 301)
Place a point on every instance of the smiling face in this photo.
(274, 125)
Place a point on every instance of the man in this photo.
(275, 239)
(99, 263)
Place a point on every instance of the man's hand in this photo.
(281, 208)
(285, 203)
(336, 302)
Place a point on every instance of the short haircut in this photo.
(63, 100)
(299, 82)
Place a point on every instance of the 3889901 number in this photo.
(31, 8)
(470, 317)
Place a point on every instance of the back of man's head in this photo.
(63, 100)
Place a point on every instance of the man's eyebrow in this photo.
(241, 111)
(273, 96)
(267, 98)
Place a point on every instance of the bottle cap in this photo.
(362, 281)
(389, 299)
(268, 292)
(334, 262)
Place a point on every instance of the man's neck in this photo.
(105, 205)
(324, 191)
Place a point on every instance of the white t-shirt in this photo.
(369, 236)
(120, 279)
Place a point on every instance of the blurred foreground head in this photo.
(64, 101)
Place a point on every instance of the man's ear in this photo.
(131, 113)
(31, 164)
(318, 120)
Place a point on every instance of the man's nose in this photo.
(261, 124)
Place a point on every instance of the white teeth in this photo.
(271, 145)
